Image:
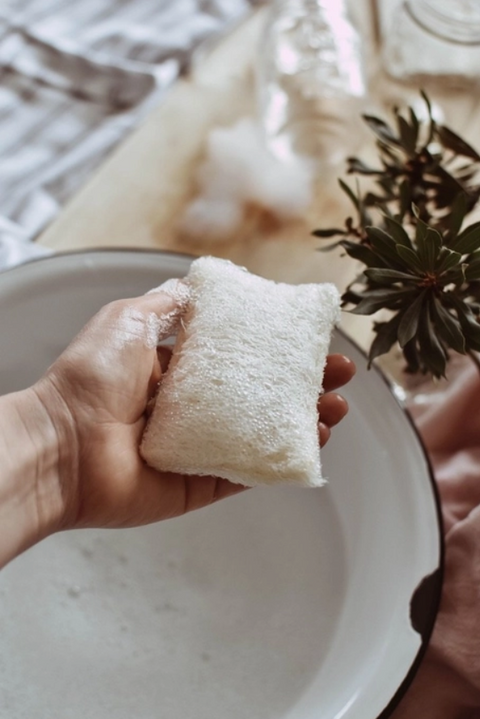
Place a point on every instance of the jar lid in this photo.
(457, 22)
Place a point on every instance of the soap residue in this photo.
(151, 328)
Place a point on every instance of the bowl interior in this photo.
(280, 603)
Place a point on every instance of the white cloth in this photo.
(75, 77)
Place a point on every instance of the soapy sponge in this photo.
(239, 399)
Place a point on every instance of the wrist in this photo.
(36, 457)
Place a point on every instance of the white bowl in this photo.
(277, 604)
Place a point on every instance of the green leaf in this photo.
(432, 353)
(350, 297)
(421, 234)
(432, 246)
(447, 187)
(410, 353)
(426, 100)
(355, 165)
(396, 230)
(328, 232)
(389, 276)
(328, 248)
(388, 156)
(447, 326)
(361, 252)
(405, 197)
(384, 244)
(475, 256)
(468, 323)
(469, 240)
(472, 272)
(415, 211)
(410, 258)
(384, 209)
(455, 275)
(457, 214)
(349, 192)
(407, 135)
(408, 326)
(430, 117)
(373, 200)
(414, 124)
(428, 242)
(455, 143)
(374, 300)
(446, 260)
(385, 337)
(362, 208)
(381, 130)
(387, 184)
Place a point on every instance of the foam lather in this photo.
(239, 398)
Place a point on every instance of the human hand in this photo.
(96, 395)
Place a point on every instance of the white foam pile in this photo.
(239, 171)
(239, 399)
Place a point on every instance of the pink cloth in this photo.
(447, 685)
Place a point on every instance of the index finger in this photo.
(338, 371)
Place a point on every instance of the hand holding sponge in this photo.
(239, 398)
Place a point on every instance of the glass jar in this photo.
(310, 80)
(434, 38)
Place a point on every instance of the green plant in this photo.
(422, 263)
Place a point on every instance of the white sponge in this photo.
(239, 399)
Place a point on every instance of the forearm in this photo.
(30, 493)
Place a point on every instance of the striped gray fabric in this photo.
(75, 77)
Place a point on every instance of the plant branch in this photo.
(410, 230)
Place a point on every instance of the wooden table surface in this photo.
(138, 195)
